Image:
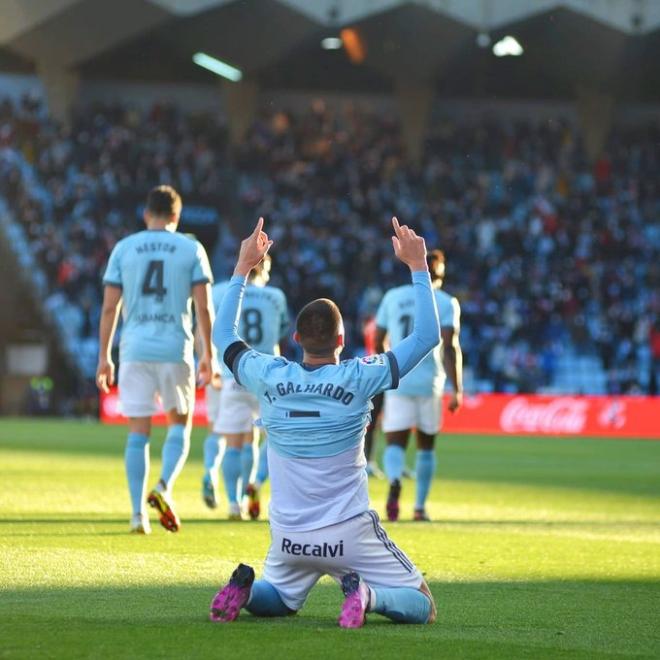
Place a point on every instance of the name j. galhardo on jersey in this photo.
(331, 390)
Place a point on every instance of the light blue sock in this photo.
(136, 457)
(393, 461)
(262, 468)
(231, 471)
(425, 469)
(402, 604)
(211, 453)
(266, 601)
(247, 461)
(175, 452)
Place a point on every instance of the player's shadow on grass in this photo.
(224, 521)
(66, 534)
(59, 521)
(553, 619)
(439, 522)
(122, 520)
(606, 524)
(52, 527)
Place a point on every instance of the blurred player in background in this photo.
(153, 277)
(233, 410)
(417, 403)
(316, 413)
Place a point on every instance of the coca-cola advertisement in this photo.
(562, 415)
(616, 416)
(529, 414)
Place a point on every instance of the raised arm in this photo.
(425, 334)
(225, 331)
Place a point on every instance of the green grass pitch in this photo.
(542, 548)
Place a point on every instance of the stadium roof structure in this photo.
(610, 45)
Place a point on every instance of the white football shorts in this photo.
(297, 560)
(142, 384)
(232, 409)
(402, 412)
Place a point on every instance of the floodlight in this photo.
(218, 67)
(331, 43)
(508, 46)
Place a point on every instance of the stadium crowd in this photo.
(549, 254)
(546, 252)
(90, 180)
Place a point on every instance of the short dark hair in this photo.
(318, 325)
(433, 257)
(164, 201)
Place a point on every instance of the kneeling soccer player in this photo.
(315, 414)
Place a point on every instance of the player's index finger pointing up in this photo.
(257, 229)
(397, 228)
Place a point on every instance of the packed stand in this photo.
(87, 187)
(556, 262)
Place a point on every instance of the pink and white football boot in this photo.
(228, 602)
(356, 602)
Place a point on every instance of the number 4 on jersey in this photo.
(154, 280)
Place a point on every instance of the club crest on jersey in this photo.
(374, 360)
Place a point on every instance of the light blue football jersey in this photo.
(312, 412)
(264, 317)
(316, 418)
(156, 270)
(395, 315)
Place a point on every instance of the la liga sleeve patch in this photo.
(373, 360)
